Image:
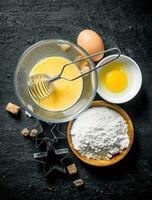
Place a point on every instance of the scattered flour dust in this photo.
(100, 133)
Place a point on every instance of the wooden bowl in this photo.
(116, 158)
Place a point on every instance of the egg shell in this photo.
(91, 42)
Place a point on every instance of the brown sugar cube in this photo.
(78, 182)
(12, 108)
(82, 63)
(65, 47)
(85, 70)
(33, 133)
(25, 132)
(72, 169)
(79, 57)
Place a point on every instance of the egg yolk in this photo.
(116, 80)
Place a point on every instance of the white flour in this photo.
(100, 133)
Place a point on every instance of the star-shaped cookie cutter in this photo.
(45, 156)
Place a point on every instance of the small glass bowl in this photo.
(33, 55)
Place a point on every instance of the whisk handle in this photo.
(115, 49)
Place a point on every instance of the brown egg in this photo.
(91, 42)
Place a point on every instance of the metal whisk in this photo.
(40, 85)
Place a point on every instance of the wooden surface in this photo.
(114, 159)
(126, 24)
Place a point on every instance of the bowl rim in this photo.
(114, 159)
(26, 107)
(139, 79)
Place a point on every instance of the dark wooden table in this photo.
(126, 24)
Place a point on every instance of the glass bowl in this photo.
(33, 55)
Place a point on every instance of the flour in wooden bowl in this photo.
(100, 133)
